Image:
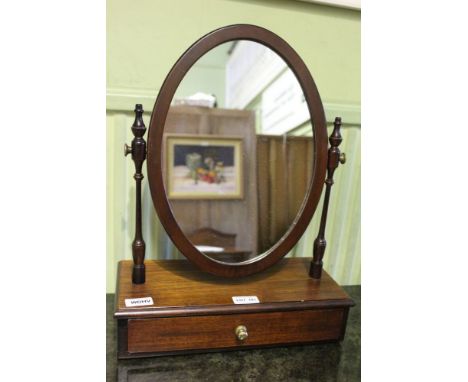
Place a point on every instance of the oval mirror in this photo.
(237, 150)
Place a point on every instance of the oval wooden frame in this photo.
(155, 144)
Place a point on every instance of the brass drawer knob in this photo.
(342, 158)
(241, 333)
(127, 149)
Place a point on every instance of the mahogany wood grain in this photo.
(205, 332)
(193, 311)
(180, 288)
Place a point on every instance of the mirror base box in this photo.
(192, 311)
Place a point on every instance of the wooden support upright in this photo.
(138, 151)
(334, 158)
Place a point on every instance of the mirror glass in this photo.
(238, 151)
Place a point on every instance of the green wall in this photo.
(145, 38)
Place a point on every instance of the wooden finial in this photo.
(334, 159)
(138, 151)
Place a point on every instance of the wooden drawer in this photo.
(172, 334)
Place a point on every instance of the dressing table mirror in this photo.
(237, 159)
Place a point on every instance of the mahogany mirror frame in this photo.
(155, 146)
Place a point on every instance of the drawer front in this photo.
(208, 332)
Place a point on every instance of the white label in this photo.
(245, 299)
(143, 301)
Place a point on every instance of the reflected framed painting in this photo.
(204, 167)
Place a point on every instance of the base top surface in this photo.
(177, 287)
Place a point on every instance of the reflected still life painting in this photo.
(204, 167)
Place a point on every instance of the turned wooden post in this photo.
(138, 151)
(334, 158)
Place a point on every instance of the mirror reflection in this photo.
(238, 151)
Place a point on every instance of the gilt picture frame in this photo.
(203, 167)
